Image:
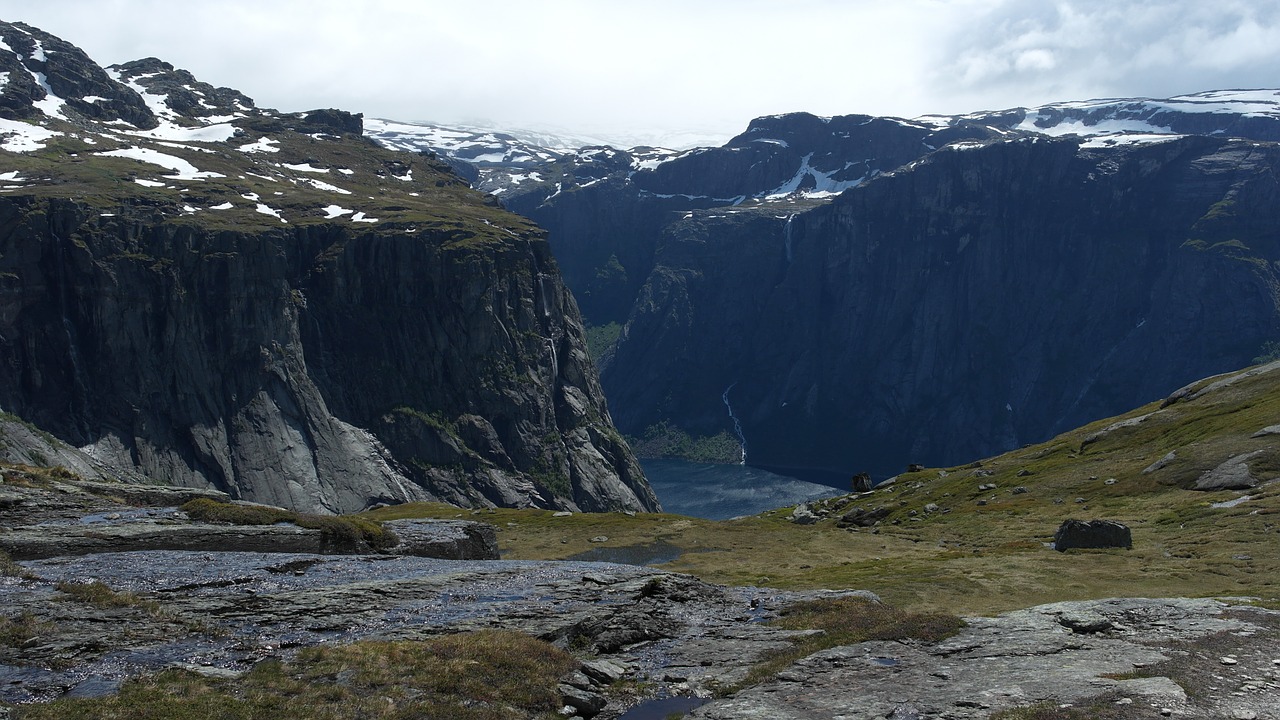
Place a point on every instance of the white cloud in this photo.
(614, 68)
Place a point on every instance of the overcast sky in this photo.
(656, 67)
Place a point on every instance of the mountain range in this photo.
(838, 294)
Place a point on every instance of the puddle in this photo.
(655, 553)
(885, 661)
(662, 708)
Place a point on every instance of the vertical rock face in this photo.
(978, 300)
(315, 368)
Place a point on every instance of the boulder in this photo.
(862, 517)
(1234, 474)
(862, 483)
(1092, 534)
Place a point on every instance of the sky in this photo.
(681, 70)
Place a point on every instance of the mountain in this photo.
(859, 293)
(211, 294)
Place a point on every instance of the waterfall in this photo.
(787, 235)
(555, 361)
(737, 426)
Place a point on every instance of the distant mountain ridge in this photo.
(199, 291)
(859, 292)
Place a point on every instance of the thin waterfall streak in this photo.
(737, 426)
(787, 235)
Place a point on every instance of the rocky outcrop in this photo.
(1156, 655)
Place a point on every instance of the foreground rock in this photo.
(1169, 652)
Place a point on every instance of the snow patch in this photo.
(12, 176)
(305, 167)
(25, 136)
(321, 185)
(206, 133)
(224, 206)
(183, 170)
(261, 145)
(148, 183)
(267, 210)
(333, 211)
(360, 217)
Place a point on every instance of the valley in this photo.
(316, 415)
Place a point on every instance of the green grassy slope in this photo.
(985, 551)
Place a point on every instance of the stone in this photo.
(1092, 534)
(1268, 430)
(862, 483)
(1233, 474)
(588, 704)
(915, 468)
(604, 671)
(862, 517)
(600, 539)
(1084, 622)
(1160, 464)
(1020, 490)
(931, 507)
(802, 515)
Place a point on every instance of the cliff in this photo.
(270, 305)
(974, 301)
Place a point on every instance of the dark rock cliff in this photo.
(980, 299)
(313, 367)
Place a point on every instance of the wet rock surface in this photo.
(226, 611)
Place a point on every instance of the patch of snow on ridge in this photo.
(824, 186)
(321, 185)
(224, 206)
(26, 136)
(183, 169)
(1077, 127)
(1103, 141)
(51, 105)
(261, 145)
(333, 211)
(305, 167)
(772, 141)
(267, 210)
(148, 183)
(177, 133)
(359, 217)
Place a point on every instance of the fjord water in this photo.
(719, 492)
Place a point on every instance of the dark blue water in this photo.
(719, 492)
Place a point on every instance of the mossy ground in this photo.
(985, 551)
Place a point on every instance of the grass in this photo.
(10, 568)
(990, 558)
(848, 621)
(100, 595)
(17, 630)
(340, 532)
(485, 675)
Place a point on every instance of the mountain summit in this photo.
(202, 292)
